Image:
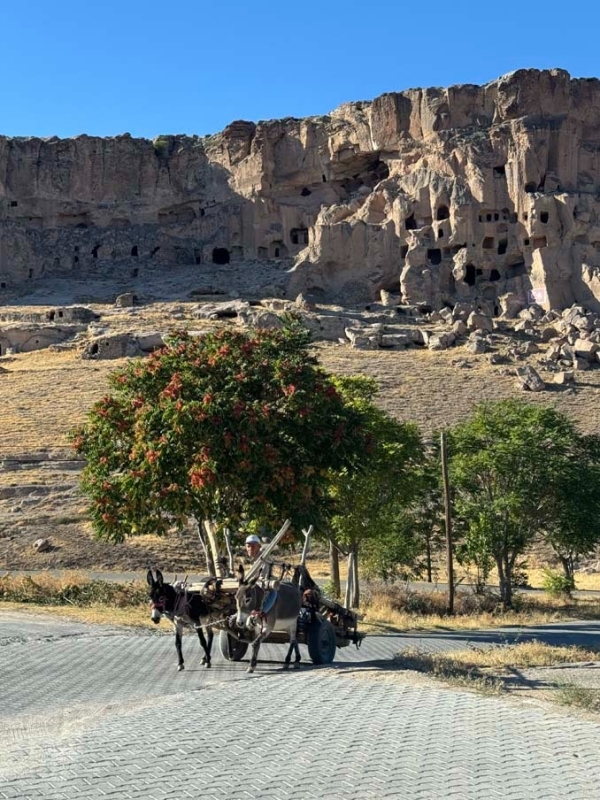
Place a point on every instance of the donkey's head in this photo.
(249, 597)
(160, 595)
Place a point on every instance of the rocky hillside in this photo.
(485, 194)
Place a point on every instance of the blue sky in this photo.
(151, 68)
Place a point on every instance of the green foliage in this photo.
(506, 463)
(375, 504)
(231, 426)
(162, 146)
(557, 583)
(572, 521)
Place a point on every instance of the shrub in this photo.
(556, 583)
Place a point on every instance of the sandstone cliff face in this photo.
(467, 193)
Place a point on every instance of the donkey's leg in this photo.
(178, 630)
(256, 647)
(205, 646)
(294, 646)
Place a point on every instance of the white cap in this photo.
(252, 539)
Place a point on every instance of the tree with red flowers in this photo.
(227, 427)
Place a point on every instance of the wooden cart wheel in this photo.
(320, 639)
(231, 648)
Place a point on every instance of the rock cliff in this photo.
(473, 193)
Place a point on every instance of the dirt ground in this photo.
(45, 393)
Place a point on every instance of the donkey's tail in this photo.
(302, 578)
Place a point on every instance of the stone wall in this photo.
(462, 194)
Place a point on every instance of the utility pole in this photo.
(448, 512)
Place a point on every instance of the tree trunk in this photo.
(352, 586)
(568, 568)
(501, 581)
(211, 535)
(428, 560)
(334, 566)
(210, 567)
(505, 579)
(227, 535)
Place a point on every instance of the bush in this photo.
(71, 590)
(557, 583)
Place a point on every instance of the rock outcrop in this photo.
(488, 195)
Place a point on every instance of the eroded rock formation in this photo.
(471, 193)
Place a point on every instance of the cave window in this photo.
(197, 256)
(278, 250)
(76, 248)
(13, 203)
(496, 217)
(502, 246)
(202, 212)
(499, 172)
(544, 217)
(530, 187)
(51, 315)
(2, 285)
(154, 252)
(75, 259)
(135, 272)
(470, 275)
(480, 218)
(488, 217)
(495, 275)
(94, 349)
(488, 243)
(95, 250)
(525, 217)
(305, 192)
(30, 274)
(575, 213)
(410, 223)
(134, 251)
(443, 212)
(220, 255)
(299, 235)
(478, 273)
(440, 234)
(525, 242)
(434, 256)
(403, 251)
(60, 314)
(324, 178)
(539, 241)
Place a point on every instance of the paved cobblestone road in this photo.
(91, 712)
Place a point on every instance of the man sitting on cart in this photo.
(253, 548)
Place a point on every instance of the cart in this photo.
(323, 624)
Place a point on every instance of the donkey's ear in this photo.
(241, 573)
(159, 577)
(149, 578)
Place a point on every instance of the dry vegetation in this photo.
(46, 392)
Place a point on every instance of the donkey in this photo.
(283, 615)
(184, 609)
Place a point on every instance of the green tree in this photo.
(572, 518)
(226, 427)
(373, 502)
(506, 462)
